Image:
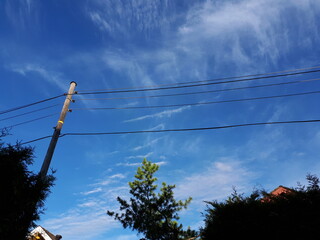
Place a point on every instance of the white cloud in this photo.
(108, 180)
(129, 164)
(117, 176)
(125, 237)
(100, 21)
(148, 144)
(242, 34)
(103, 182)
(160, 163)
(223, 167)
(160, 126)
(23, 15)
(165, 113)
(122, 18)
(100, 157)
(140, 156)
(88, 219)
(129, 64)
(76, 224)
(50, 76)
(96, 190)
(214, 182)
(89, 204)
(223, 30)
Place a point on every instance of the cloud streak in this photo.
(140, 156)
(234, 36)
(223, 30)
(96, 190)
(50, 76)
(137, 164)
(162, 114)
(148, 144)
(88, 219)
(23, 15)
(215, 182)
(123, 19)
(82, 225)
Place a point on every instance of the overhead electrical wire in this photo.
(178, 85)
(201, 92)
(198, 103)
(30, 104)
(190, 129)
(180, 129)
(29, 121)
(35, 140)
(206, 83)
(26, 113)
(215, 79)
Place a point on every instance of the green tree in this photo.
(291, 215)
(22, 191)
(153, 214)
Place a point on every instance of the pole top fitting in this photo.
(73, 82)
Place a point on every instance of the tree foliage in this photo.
(22, 191)
(153, 214)
(291, 215)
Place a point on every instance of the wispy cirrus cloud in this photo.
(50, 76)
(221, 30)
(84, 226)
(215, 181)
(23, 15)
(106, 181)
(53, 77)
(117, 176)
(214, 37)
(122, 18)
(148, 144)
(88, 218)
(100, 21)
(140, 156)
(137, 164)
(162, 114)
(96, 190)
(131, 65)
(85, 222)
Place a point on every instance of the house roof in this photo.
(281, 189)
(276, 192)
(44, 233)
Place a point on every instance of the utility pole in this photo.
(57, 130)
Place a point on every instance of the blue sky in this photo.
(107, 44)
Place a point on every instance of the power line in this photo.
(196, 85)
(215, 79)
(30, 104)
(203, 92)
(176, 87)
(29, 121)
(199, 103)
(26, 113)
(180, 130)
(35, 140)
(191, 129)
